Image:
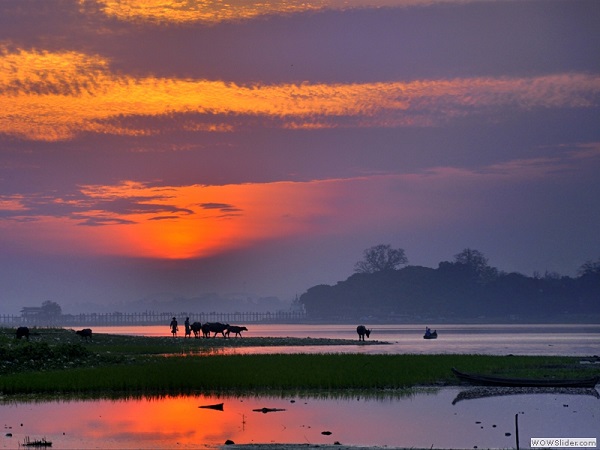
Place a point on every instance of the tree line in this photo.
(465, 288)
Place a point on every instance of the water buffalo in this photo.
(22, 332)
(362, 332)
(86, 333)
(214, 327)
(236, 330)
(196, 329)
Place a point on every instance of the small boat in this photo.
(217, 406)
(487, 380)
(432, 335)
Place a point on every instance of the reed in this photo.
(58, 362)
(313, 372)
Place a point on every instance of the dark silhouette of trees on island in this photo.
(51, 310)
(379, 258)
(589, 268)
(467, 288)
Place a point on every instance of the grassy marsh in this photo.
(58, 362)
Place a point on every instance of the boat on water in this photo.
(488, 380)
(217, 406)
(430, 335)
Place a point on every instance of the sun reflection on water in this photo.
(413, 418)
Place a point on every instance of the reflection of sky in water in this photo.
(422, 420)
(539, 339)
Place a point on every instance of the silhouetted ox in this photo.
(86, 333)
(237, 331)
(22, 332)
(214, 327)
(196, 328)
(362, 332)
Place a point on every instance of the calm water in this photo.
(426, 419)
(577, 340)
(422, 418)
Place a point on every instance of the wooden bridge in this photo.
(151, 318)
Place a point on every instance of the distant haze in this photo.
(255, 149)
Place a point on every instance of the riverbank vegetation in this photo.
(58, 362)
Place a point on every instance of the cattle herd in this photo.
(197, 328)
(23, 332)
(224, 329)
(204, 329)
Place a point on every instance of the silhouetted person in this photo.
(174, 327)
(188, 329)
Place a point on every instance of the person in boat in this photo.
(427, 331)
(174, 327)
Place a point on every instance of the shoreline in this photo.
(163, 366)
(109, 363)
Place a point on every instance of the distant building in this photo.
(297, 306)
(32, 312)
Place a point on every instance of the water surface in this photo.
(438, 418)
(420, 419)
(492, 339)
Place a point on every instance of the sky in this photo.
(171, 148)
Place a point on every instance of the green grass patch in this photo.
(279, 372)
(57, 362)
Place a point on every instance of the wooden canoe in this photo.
(487, 380)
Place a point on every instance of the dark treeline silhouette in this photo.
(465, 289)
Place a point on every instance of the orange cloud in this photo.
(175, 222)
(201, 10)
(55, 96)
(210, 12)
(11, 204)
(196, 221)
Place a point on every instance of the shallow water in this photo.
(422, 419)
(567, 339)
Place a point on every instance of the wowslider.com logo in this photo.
(563, 443)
